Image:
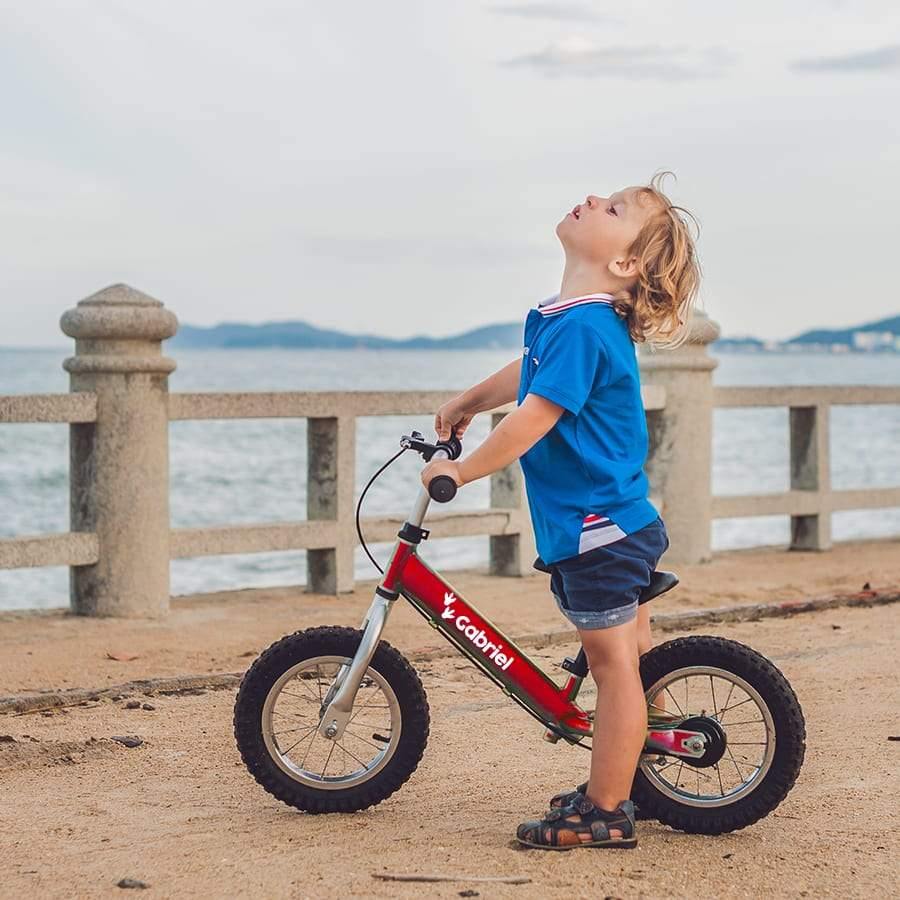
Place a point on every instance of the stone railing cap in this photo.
(703, 330)
(118, 294)
(119, 312)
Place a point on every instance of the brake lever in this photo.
(416, 441)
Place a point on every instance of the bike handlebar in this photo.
(441, 488)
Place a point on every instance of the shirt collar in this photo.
(553, 305)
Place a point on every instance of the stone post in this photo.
(331, 464)
(511, 554)
(810, 471)
(119, 478)
(679, 464)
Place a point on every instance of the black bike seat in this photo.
(660, 582)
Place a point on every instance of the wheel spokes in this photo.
(292, 715)
(751, 736)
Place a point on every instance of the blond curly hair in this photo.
(659, 304)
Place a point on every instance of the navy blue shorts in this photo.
(600, 588)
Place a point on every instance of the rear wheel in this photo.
(279, 706)
(753, 727)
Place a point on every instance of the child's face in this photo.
(601, 229)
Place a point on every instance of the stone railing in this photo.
(810, 500)
(120, 543)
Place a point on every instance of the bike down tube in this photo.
(494, 653)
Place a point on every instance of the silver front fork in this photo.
(338, 702)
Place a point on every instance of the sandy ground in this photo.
(223, 632)
(79, 812)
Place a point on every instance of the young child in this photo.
(630, 275)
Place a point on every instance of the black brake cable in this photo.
(359, 506)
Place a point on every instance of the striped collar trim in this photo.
(555, 306)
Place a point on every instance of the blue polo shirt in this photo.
(584, 479)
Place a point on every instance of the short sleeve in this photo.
(568, 365)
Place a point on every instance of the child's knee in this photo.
(614, 666)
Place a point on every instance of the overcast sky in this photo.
(399, 167)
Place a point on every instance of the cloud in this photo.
(877, 60)
(563, 12)
(586, 59)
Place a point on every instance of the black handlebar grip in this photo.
(442, 488)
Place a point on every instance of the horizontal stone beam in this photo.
(803, 503)
(813, 395)
(323, 404)
(304, 404)
(868, 498)
(492, 521)
(319, 534)
(76, 407)
(792, 503)
(227, 539)
(68, 549)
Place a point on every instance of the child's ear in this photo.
(625, 267)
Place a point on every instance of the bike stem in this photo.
(337, 707)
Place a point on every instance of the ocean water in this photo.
(246, 471)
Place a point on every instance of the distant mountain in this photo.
(846, 335)
(302, 335)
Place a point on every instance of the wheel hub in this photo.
(714, 738)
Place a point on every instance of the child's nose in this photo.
(593, 200)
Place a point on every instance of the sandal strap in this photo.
(620, 819)
(565, 798)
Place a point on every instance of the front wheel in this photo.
(755, 733)
(281, 701)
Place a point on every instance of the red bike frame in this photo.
(505, 663)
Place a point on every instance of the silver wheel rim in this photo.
(290, 726)
(744, 717)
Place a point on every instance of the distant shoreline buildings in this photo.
(878, 337)
(883, 342)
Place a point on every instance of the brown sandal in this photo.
(561, 828)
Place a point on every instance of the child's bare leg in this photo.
(621, 713)
(645, 642)
(644, 638)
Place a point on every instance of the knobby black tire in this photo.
(790, 735)
(330, 641)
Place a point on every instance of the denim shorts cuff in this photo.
(608, 618)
